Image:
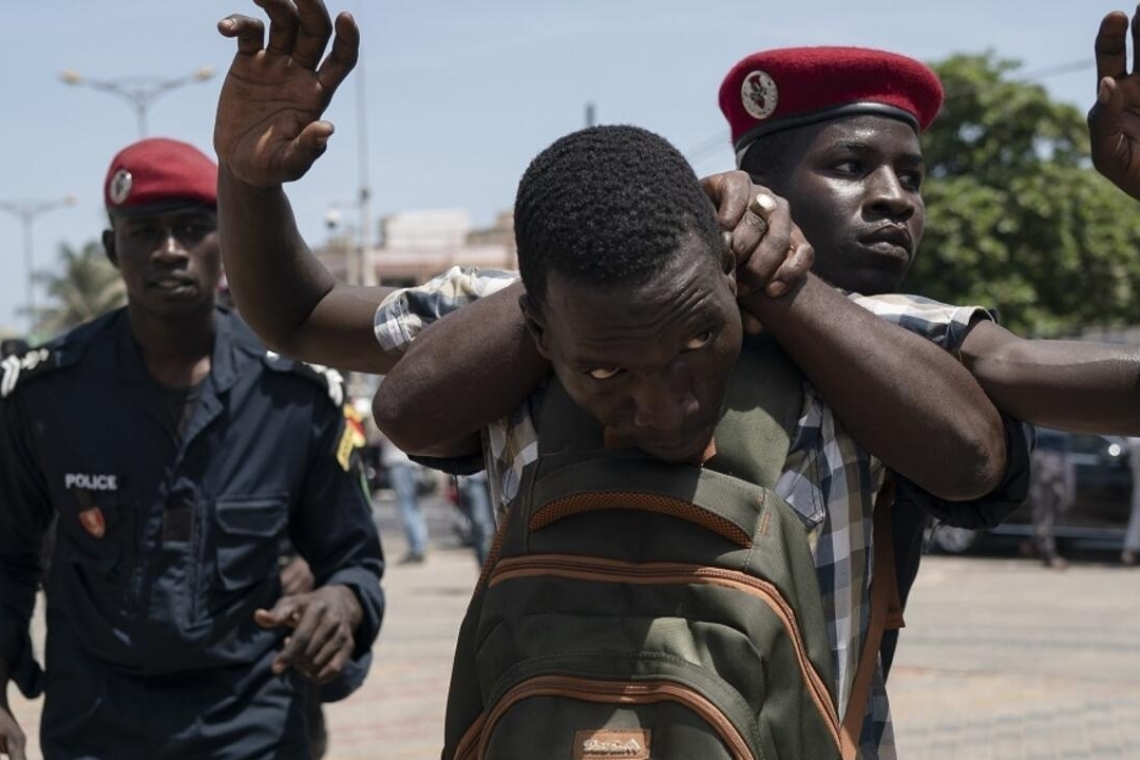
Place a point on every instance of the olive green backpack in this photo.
(636, 609)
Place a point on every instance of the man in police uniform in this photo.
(178, 454)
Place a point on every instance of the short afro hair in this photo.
(608, 204)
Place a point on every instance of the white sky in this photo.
(460, 95)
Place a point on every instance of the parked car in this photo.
(1100, 511)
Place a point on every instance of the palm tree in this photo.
(84, 286)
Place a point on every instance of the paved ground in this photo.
(1002, 659)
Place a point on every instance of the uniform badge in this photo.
(344, 449)
(352, 438)
(120, 186)
(93, 522)
(355, 422)
(759, 95)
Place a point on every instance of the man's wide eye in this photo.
(700, 341)
(603, 373)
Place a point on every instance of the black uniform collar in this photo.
(229, 338)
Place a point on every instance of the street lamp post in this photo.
(364, 195)
(351, 241)
(27, 211)
(139, 92)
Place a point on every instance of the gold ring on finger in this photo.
(762, 205)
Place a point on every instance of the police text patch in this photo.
(91, 482)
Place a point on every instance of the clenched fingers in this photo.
(730, 192)
(758, 259)
(295, 646)
(798, 261)
(338, 645)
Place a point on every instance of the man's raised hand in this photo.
(268, 128)
(1114, 121)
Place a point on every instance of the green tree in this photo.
(1016, 217)
(84, 286)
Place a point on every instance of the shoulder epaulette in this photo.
(62, 351)
(17, 369)
(327, 377)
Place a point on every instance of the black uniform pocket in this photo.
(247, 539)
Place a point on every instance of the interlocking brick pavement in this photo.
(1004, 659)
(1001, 659)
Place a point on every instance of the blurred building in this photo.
(417, 245)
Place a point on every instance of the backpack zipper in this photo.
(609, 692)
(616, 571)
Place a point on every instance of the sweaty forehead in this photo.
(880, 133)
(591, 318)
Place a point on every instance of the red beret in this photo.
(792, 87)
(162, 172)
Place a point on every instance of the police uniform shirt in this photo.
(168, 540)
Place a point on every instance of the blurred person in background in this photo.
(1052, 490)
(473, 497)
(1130, 553)
(403, 478)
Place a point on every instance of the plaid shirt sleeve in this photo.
(509, 444)
(405, 312)
(940, 323)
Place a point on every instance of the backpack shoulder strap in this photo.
(886, 611)
(764, 402)
(465, 713)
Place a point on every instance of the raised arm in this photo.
(905, 399)
(902, 397)
(458, 376)
(1079, 386)
(269, 131)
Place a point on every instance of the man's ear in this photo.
(535, 324)
(109, 247)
